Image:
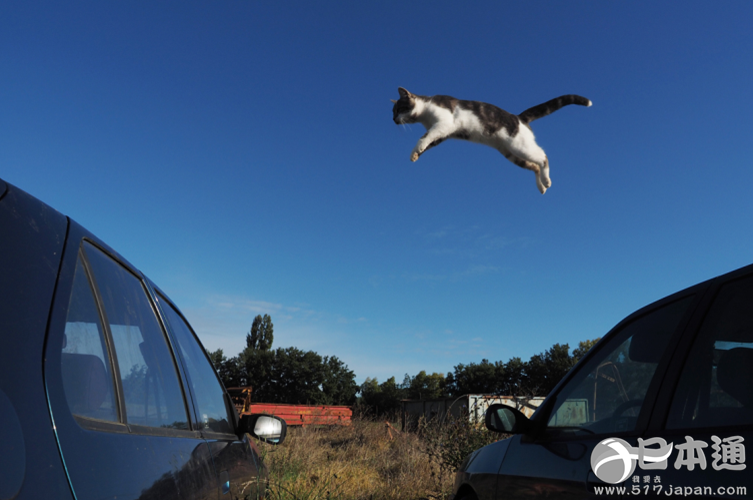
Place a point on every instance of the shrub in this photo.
(450, 440)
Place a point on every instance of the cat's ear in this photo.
(404, 93)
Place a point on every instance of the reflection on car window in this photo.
(87, 375)
(210, 397)
(607, 394)
(715, 385)
(149, 381)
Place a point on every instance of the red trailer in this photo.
(305, 414)
(292, 414)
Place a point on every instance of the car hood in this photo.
(486, 460)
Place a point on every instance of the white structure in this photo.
(472, 405)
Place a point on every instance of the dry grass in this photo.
(358, 462)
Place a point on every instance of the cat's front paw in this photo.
(543, 183)
(414, 156)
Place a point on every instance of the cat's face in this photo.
(402, 110)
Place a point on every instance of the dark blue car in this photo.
(661, 406)
(105, 390)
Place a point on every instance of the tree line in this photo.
(291, 375)
(535, 377)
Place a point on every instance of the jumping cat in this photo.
(448, 118)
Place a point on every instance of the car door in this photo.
(608, 396)
(116, 395)
(236, 460)
(708, 411)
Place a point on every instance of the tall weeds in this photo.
(368, 460)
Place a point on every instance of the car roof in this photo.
(6, 187)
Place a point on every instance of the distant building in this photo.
(473, 406)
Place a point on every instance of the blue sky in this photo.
(243, 155)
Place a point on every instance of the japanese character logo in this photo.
(613, 460)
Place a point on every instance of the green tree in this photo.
(514, 379)
(287, 375)
(424, 386)
(256, 369)
(230, 370)
(291, 375)
(217, 358)
(477, 378)
(381, 398)
(391, 394)
(261, 336)
(545, 370)
(368, 392)
(583, 347)
(535, 377)
(339, 384)
(297, 377)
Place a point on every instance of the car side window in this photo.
(211, 403)
(148, 377)
(86, 370)
(607, 393)
(715, 385)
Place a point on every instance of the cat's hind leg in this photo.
(542, 181)
(526, 151)
(544, 174)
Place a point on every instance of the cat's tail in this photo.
(550, 107)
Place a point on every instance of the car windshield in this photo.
(607, 393)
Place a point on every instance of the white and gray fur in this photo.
(448, 118)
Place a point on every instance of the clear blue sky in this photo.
(243, 155)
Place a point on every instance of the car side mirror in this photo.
(502, 418)
(268, 428)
